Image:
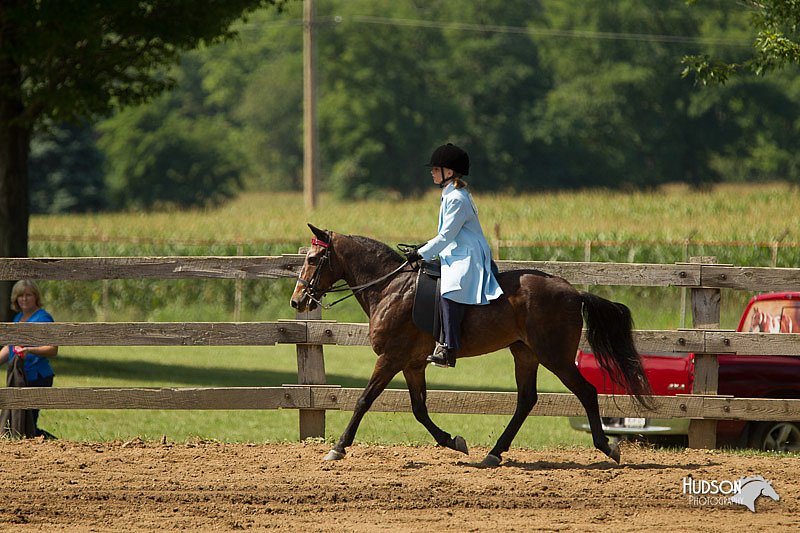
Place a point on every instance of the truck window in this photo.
(773, 317)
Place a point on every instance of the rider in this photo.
(467, 274)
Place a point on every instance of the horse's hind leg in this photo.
(381, 376)
(525, 366)
(564, 368)
(417, 388)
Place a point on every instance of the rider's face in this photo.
(438, 177)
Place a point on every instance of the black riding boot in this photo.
(445, 353)
(443, 356)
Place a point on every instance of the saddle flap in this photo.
(425, 313)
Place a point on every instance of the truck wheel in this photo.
(776, 436)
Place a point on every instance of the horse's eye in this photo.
(313, 260)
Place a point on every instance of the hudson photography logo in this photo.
(723, 493)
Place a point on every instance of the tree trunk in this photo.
(15, 135)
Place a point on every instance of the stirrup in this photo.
(442, 356)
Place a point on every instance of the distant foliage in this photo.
(65, 169)
(774, 38)
(155, 163)
(544, 94)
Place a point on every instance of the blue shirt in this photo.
(36, 367)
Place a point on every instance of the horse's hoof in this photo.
(490, 461)
(614, 452)
(460, 445)
(333, 455)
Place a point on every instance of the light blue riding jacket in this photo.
(465, 255)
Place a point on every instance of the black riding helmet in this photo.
(450, 156)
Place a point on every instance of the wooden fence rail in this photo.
(313, 397)
(685, 275)
(286, 266)
(327, 397)
(324, 332)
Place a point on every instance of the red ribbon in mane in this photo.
(319, 243)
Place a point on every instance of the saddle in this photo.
(426, 314)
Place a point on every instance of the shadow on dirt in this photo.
(600, 465)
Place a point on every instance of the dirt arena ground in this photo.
(287, 487)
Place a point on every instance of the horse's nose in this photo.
(298, 303)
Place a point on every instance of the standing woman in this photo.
(26, 300)
(467, 276)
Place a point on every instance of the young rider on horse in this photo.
(467, 274)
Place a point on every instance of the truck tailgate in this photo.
(669, 373)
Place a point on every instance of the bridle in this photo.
(310, 286)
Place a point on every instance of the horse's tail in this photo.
(609, 328)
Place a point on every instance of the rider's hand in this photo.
(413, 255)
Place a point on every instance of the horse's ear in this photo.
(321, 234)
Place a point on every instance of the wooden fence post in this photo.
(496, 242)
(311, 371)
(237, 290)
(705, 315)
(104, 298)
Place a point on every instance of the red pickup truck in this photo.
(742, 376)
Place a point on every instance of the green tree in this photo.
(415, 75)
(257, 82)
(618, 113)
(249, 88)
(158, 159)
(377, 112)
(776, 43)
(500, 84)
(66, 171)
(65, 60)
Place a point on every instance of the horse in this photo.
(751, 489)
(539, 317)
(764, 322)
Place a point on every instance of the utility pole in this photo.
(310, 139)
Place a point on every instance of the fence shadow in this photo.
(143, 373)
(146, 372)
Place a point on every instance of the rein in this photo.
(309, 289)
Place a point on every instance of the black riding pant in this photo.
(452, 314)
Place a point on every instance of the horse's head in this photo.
(318, 273)
(756, 320)
(751, 488)
(769, 491)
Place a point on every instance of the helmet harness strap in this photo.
(444, 181)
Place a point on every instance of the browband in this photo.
(319, 243)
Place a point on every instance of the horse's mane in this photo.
(377, 248)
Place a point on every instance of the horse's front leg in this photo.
(381, 376)
(417, 388)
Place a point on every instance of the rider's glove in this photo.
(413, 255)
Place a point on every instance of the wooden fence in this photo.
(312, 396)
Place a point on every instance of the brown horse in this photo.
(539, 318)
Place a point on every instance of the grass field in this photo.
(744, 213)
(729, 212)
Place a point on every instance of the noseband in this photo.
(310, 286)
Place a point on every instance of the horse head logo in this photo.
(751, 489)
